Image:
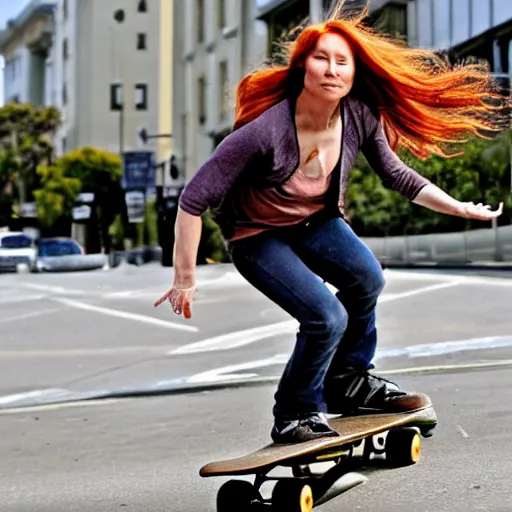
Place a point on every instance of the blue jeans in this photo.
(337, 332)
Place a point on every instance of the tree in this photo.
(98, 172)
(26, 134)
(56, 197)
(480, 174)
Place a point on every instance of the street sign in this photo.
(138, 170)
(28, 210)
(135, 206)
(81, 212)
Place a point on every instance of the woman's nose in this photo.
(331, 68)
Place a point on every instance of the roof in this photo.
(33, 9)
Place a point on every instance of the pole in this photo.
(316, 11)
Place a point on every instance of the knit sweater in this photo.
(265, 153)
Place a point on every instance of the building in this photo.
(216, 43)
(26, 45)
(480, 28)
(106, 68)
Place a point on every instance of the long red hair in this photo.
(424, 102)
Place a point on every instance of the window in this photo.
(143, 6)
(200, 20)
(64, 94)
(223, 89)
(141, 97)
(201, 99)
(116, 97)
(65, 49)
(65, 10)
(64, 144)
(221, 10)
(141, 42)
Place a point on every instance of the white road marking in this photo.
(73, 352)
(246, 337)
(388, 297)
(54, 289)
(28, 315)
(445, 347)
(425, 350)
(127, 316)
(465, 435)
(226, 373)
(238, 338)
(63, 405)
(459, 278)
(20, 298)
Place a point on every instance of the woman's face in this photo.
(330, 68)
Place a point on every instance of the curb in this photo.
(62, 396)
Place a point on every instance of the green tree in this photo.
(26, 134)
(56, 197)
(97, 171)
(480, 174)
(100, 172)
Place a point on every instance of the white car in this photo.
(17, 250)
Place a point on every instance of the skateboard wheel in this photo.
(236, 496)
(403, 446)
(292, 496)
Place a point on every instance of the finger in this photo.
(161, 300)
(187, 309)
(178, 303)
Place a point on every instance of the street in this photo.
(166, 395)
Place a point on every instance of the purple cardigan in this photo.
(265, 153)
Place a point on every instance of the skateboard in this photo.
(394, 439)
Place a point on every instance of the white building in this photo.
(216, 42)
(26, 44)
(109, 74)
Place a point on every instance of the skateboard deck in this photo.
(399, 441)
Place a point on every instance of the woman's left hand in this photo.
(479, 211)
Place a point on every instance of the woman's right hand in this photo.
(180, 298)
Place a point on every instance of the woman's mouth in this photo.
(330, 87)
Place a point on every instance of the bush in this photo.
(480, 174)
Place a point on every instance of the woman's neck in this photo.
(315, 115)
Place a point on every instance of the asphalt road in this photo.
(68, 336)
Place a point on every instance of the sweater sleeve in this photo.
(219, 173)
(395, 175)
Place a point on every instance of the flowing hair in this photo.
(424, 102)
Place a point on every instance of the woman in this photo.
(277, 187)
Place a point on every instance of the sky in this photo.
(8, 9)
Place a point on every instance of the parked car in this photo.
(65, 255)
(16, 249)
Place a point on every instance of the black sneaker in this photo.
(305, 427)
(359, 391)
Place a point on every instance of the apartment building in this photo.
(481, 28)
(105, 64)
(25, 44)
(216, 42)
